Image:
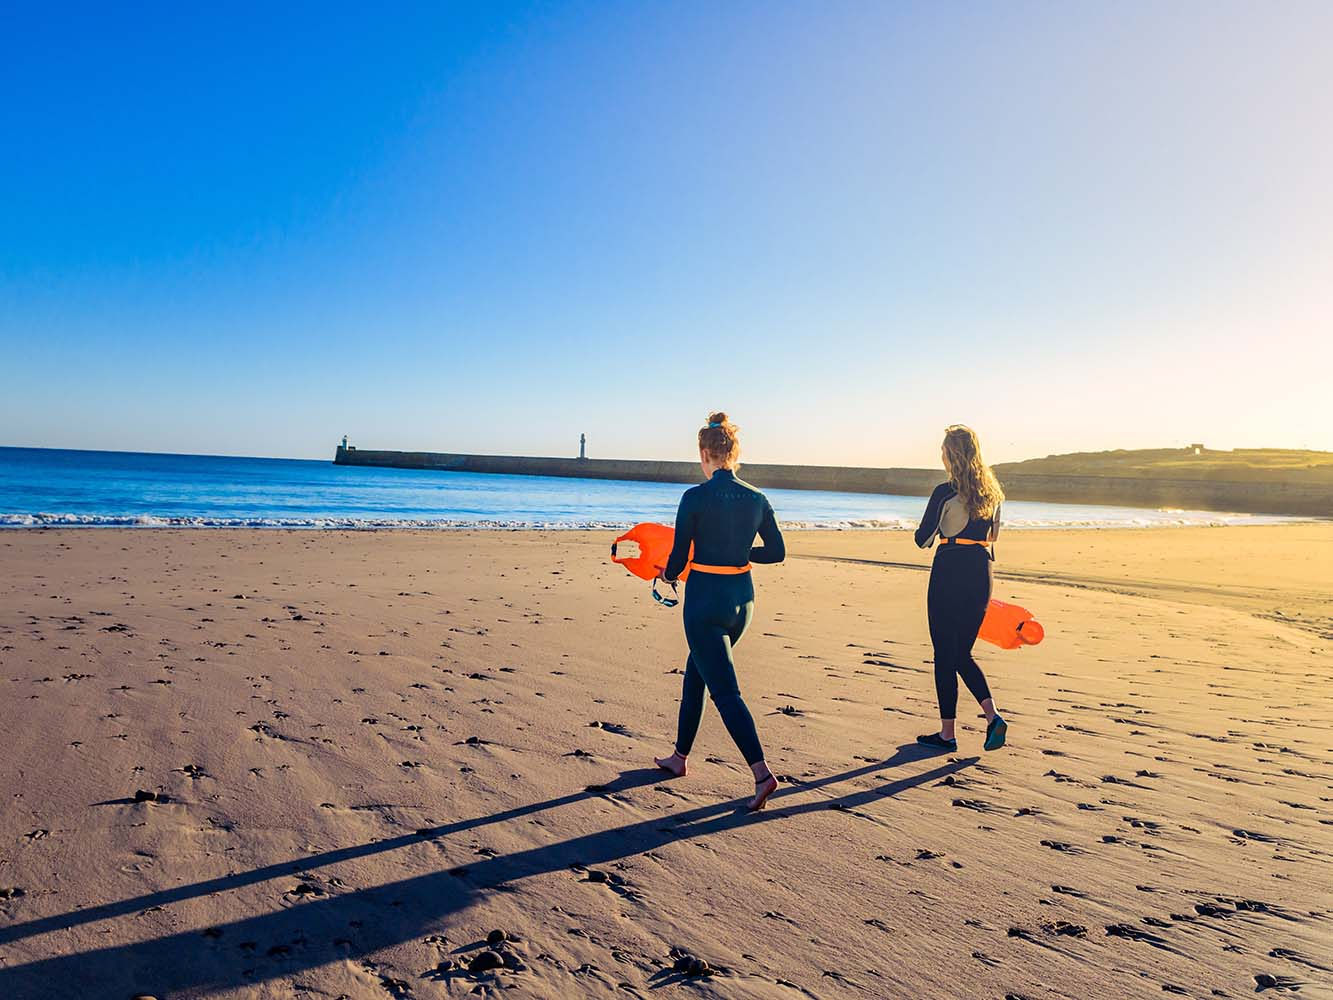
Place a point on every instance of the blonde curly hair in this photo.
(973, 479)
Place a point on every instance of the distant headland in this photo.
(1269, 481)
(1243, 465)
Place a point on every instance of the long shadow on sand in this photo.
(355, 924)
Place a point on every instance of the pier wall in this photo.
(1292, 499)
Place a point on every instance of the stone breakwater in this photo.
(1290, 499)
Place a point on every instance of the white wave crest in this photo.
(1153, 519)
(46, 520)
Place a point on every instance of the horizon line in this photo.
(330, 461)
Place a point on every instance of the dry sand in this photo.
(370, 750)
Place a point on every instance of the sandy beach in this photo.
(326, 764)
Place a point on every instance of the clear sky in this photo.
(489, 226)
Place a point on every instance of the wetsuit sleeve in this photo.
(774, 549)
(680, 548)
(930, 521)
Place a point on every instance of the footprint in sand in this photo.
(1263, 981)
(1287, 953)
(611, 727)
(976, 805)
(1132, 933)
(1263, 838)
(1062, 847)
(1063, 928)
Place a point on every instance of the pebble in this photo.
(496, 937)
(1066, 929)
(485, 961)
(690, 965)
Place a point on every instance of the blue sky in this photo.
(488, 227)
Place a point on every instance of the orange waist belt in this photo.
(962, 541)
(721, 570)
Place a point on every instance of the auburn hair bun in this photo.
(720, 440)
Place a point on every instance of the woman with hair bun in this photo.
(964, 514)
(720, 518)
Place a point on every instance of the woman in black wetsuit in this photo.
(964, 514)
(720, 518)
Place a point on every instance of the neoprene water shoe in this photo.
(937, 742)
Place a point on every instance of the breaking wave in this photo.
(1150, 519)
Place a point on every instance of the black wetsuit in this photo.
(721, 518)
(960, 589)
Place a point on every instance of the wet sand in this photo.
(287, 764)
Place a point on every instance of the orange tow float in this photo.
(651, 549)
(1009, 626)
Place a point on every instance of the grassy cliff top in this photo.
(1240, 465)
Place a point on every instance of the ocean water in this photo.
(47, 487)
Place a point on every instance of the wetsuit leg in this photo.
(717, 611)
(968, 627)
(691, 708)
(741, 623)
(944, 637)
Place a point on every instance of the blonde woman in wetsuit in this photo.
(964, 514)
(720, 518)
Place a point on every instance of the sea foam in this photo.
(58, 520)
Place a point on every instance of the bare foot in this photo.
(675, 764)
(762, 790)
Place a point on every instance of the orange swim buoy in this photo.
(1009, 626)
(652, 548)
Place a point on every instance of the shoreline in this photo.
(154, 523)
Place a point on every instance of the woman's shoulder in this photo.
(752, 488)
(943, 491)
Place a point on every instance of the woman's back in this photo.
(947, 515)
(721, 518)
